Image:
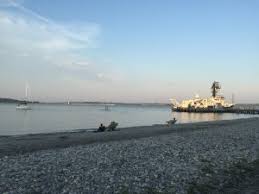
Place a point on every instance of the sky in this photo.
(129, 50)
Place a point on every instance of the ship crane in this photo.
(215, 88)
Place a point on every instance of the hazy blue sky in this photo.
(129, 50)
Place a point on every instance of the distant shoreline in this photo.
(12, 100)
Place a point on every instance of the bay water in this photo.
(48, 118)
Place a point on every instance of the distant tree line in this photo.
(10, 100)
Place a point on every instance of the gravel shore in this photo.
(180, 160)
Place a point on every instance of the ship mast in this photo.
(215, 88)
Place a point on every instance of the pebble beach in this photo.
(186, 158)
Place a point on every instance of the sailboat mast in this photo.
(26, 91)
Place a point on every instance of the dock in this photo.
(208, 110)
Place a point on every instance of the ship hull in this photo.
(23, 107)
(204, 110)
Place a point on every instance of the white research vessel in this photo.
(214, 103)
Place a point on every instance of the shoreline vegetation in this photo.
(206, 157)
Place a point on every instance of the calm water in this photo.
(51, 118)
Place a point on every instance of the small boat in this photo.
(24, 105)
(106, 108)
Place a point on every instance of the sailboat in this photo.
(24, 105)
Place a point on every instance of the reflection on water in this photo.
(197, 117)
(44, 118)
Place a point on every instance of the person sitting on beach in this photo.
(112, 126)
(101, 128)
(171, 122)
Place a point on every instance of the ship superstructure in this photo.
(215, 102)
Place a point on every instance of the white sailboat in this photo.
(24, 105)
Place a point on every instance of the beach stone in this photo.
(165, 163)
